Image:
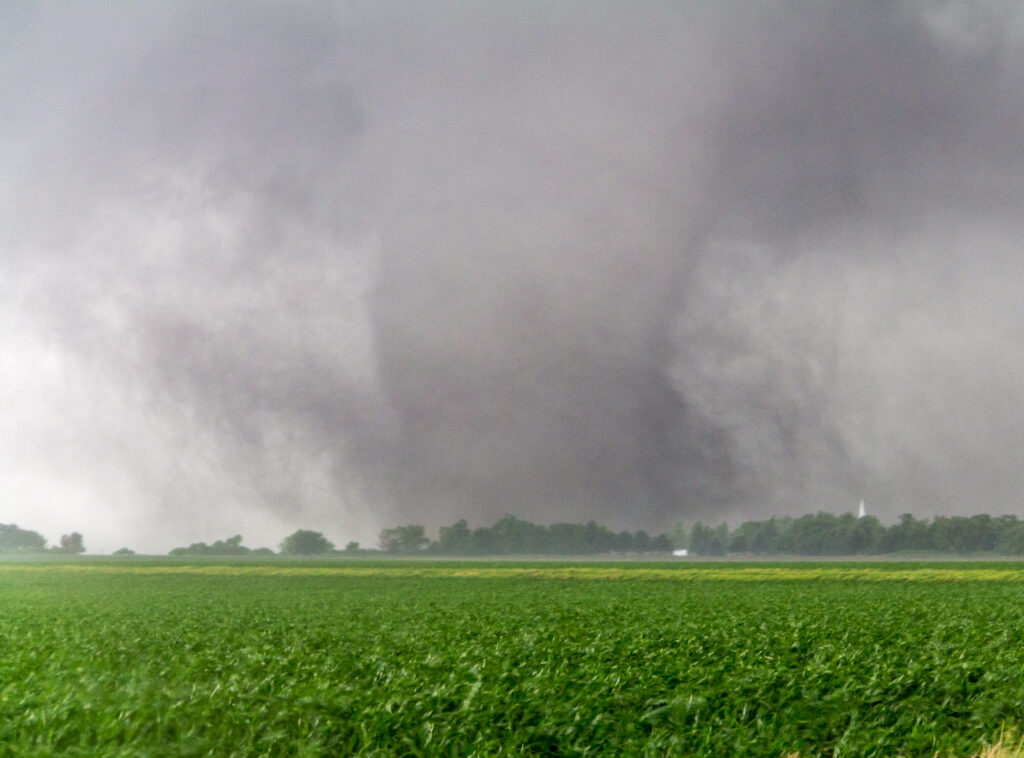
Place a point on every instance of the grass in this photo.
(165, 658)
(999, 750)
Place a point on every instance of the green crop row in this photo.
(218, 663)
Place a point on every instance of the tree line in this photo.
(817, 534)
(828, 534)
(515, 536)
(509, 536)
(300, 542)
(230, 546)
(16, 540)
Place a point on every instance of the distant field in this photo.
(679, 572)
(165, 658)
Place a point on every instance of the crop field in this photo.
(165, 658)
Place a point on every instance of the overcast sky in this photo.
(342, 266)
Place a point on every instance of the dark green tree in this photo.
(661, 544)
(72, 543)
(568, 539)
(483, 541)
(456, 539)
(410, 538)
(15, 540)
(765, 538)
(908, 534)
(1011, 541)
(306, 542)
(707, 541)
(642, 542)
(739, 541)
(196, 548)
(623, 542)
(230, 546)
(514, 536)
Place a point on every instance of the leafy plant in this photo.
(374, 658)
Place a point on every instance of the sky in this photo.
(343, 266)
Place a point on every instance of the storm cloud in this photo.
(347, 265)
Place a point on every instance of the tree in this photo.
(72, 543)
(124, 551)
(707, 541)
(15, 540)
(456, 539)
(568, 539)
(483, 541)
(661, 544)
(512, 536)
(869, 536)
(230, 546)
(1011, 541)
(908, 534)
(352, 547)
(765, 539)
(306, 542)
(196, 548)
(739, 541)
(624, 542)
(404, 539)
(412, 538)
(597, 539)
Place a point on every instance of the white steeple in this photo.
(862, 512)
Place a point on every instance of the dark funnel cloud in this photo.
(347, 265)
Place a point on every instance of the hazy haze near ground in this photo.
(348, 265)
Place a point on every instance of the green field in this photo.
(164, 658)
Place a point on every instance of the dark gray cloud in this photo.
(344, 265)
